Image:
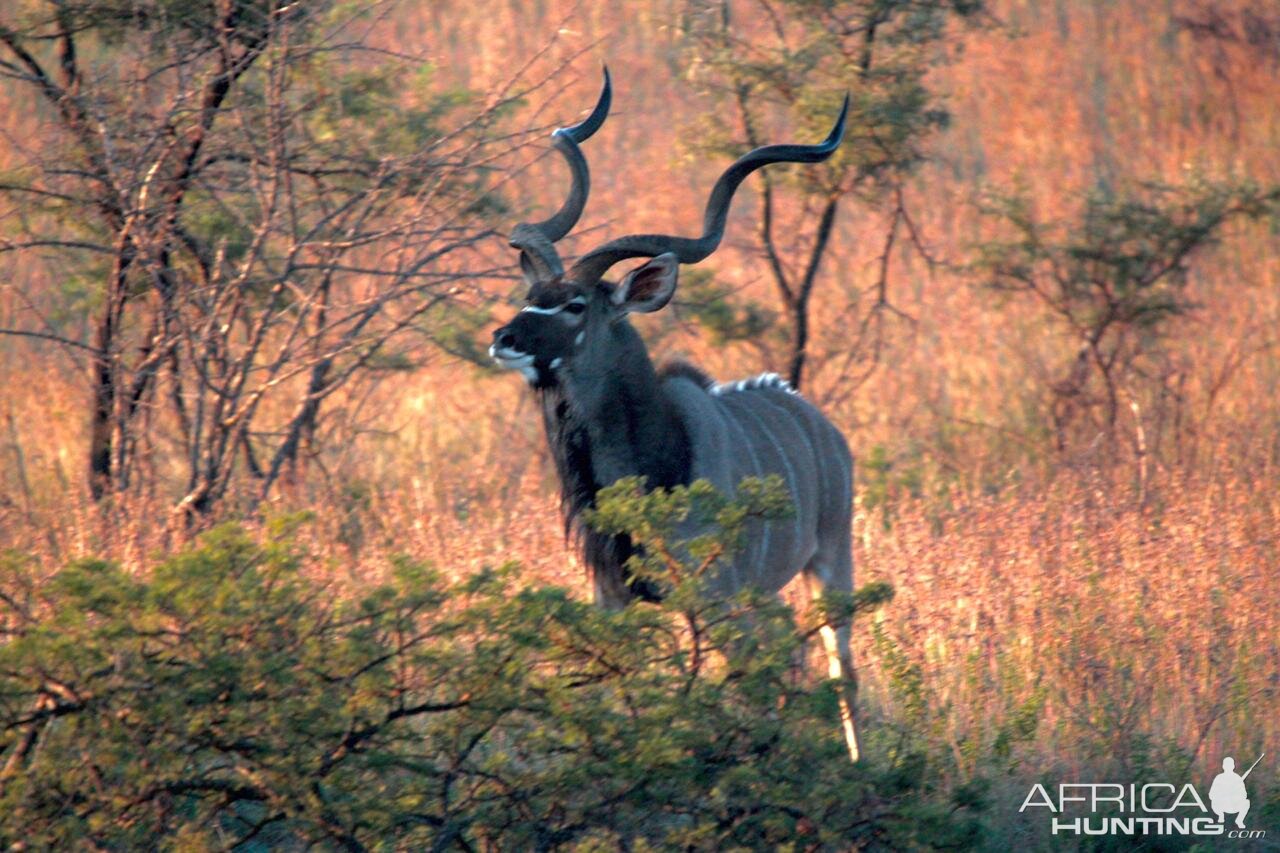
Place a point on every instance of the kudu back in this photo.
(609, 413)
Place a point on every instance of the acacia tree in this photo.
(799, 57)
(257, 204)
(1110, 282)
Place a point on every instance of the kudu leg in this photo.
(836, 643)
(840, 668)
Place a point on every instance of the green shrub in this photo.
(229, 700)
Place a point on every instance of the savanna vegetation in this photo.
(283, 564)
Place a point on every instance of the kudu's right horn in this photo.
(596, 263)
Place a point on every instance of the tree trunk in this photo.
(103, 462)
(799, 306)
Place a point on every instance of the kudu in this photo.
(609, 413)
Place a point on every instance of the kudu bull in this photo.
(609, 413)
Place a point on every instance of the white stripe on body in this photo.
(762, 543)
(801, 416)
(826, 448)
(793, 482)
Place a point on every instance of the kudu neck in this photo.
(633, 428)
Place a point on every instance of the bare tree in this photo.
(1111, 281)
(261, 206)
(796, 56)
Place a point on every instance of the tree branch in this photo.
(23, 333)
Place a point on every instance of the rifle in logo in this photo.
(1227, 794)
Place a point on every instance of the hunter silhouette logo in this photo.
(1227, 794)
(1147, 808)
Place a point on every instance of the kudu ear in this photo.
(649, 286)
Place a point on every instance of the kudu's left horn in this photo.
(536, 240)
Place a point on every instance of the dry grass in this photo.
(1133, 621)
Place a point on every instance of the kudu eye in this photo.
(575, 307)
